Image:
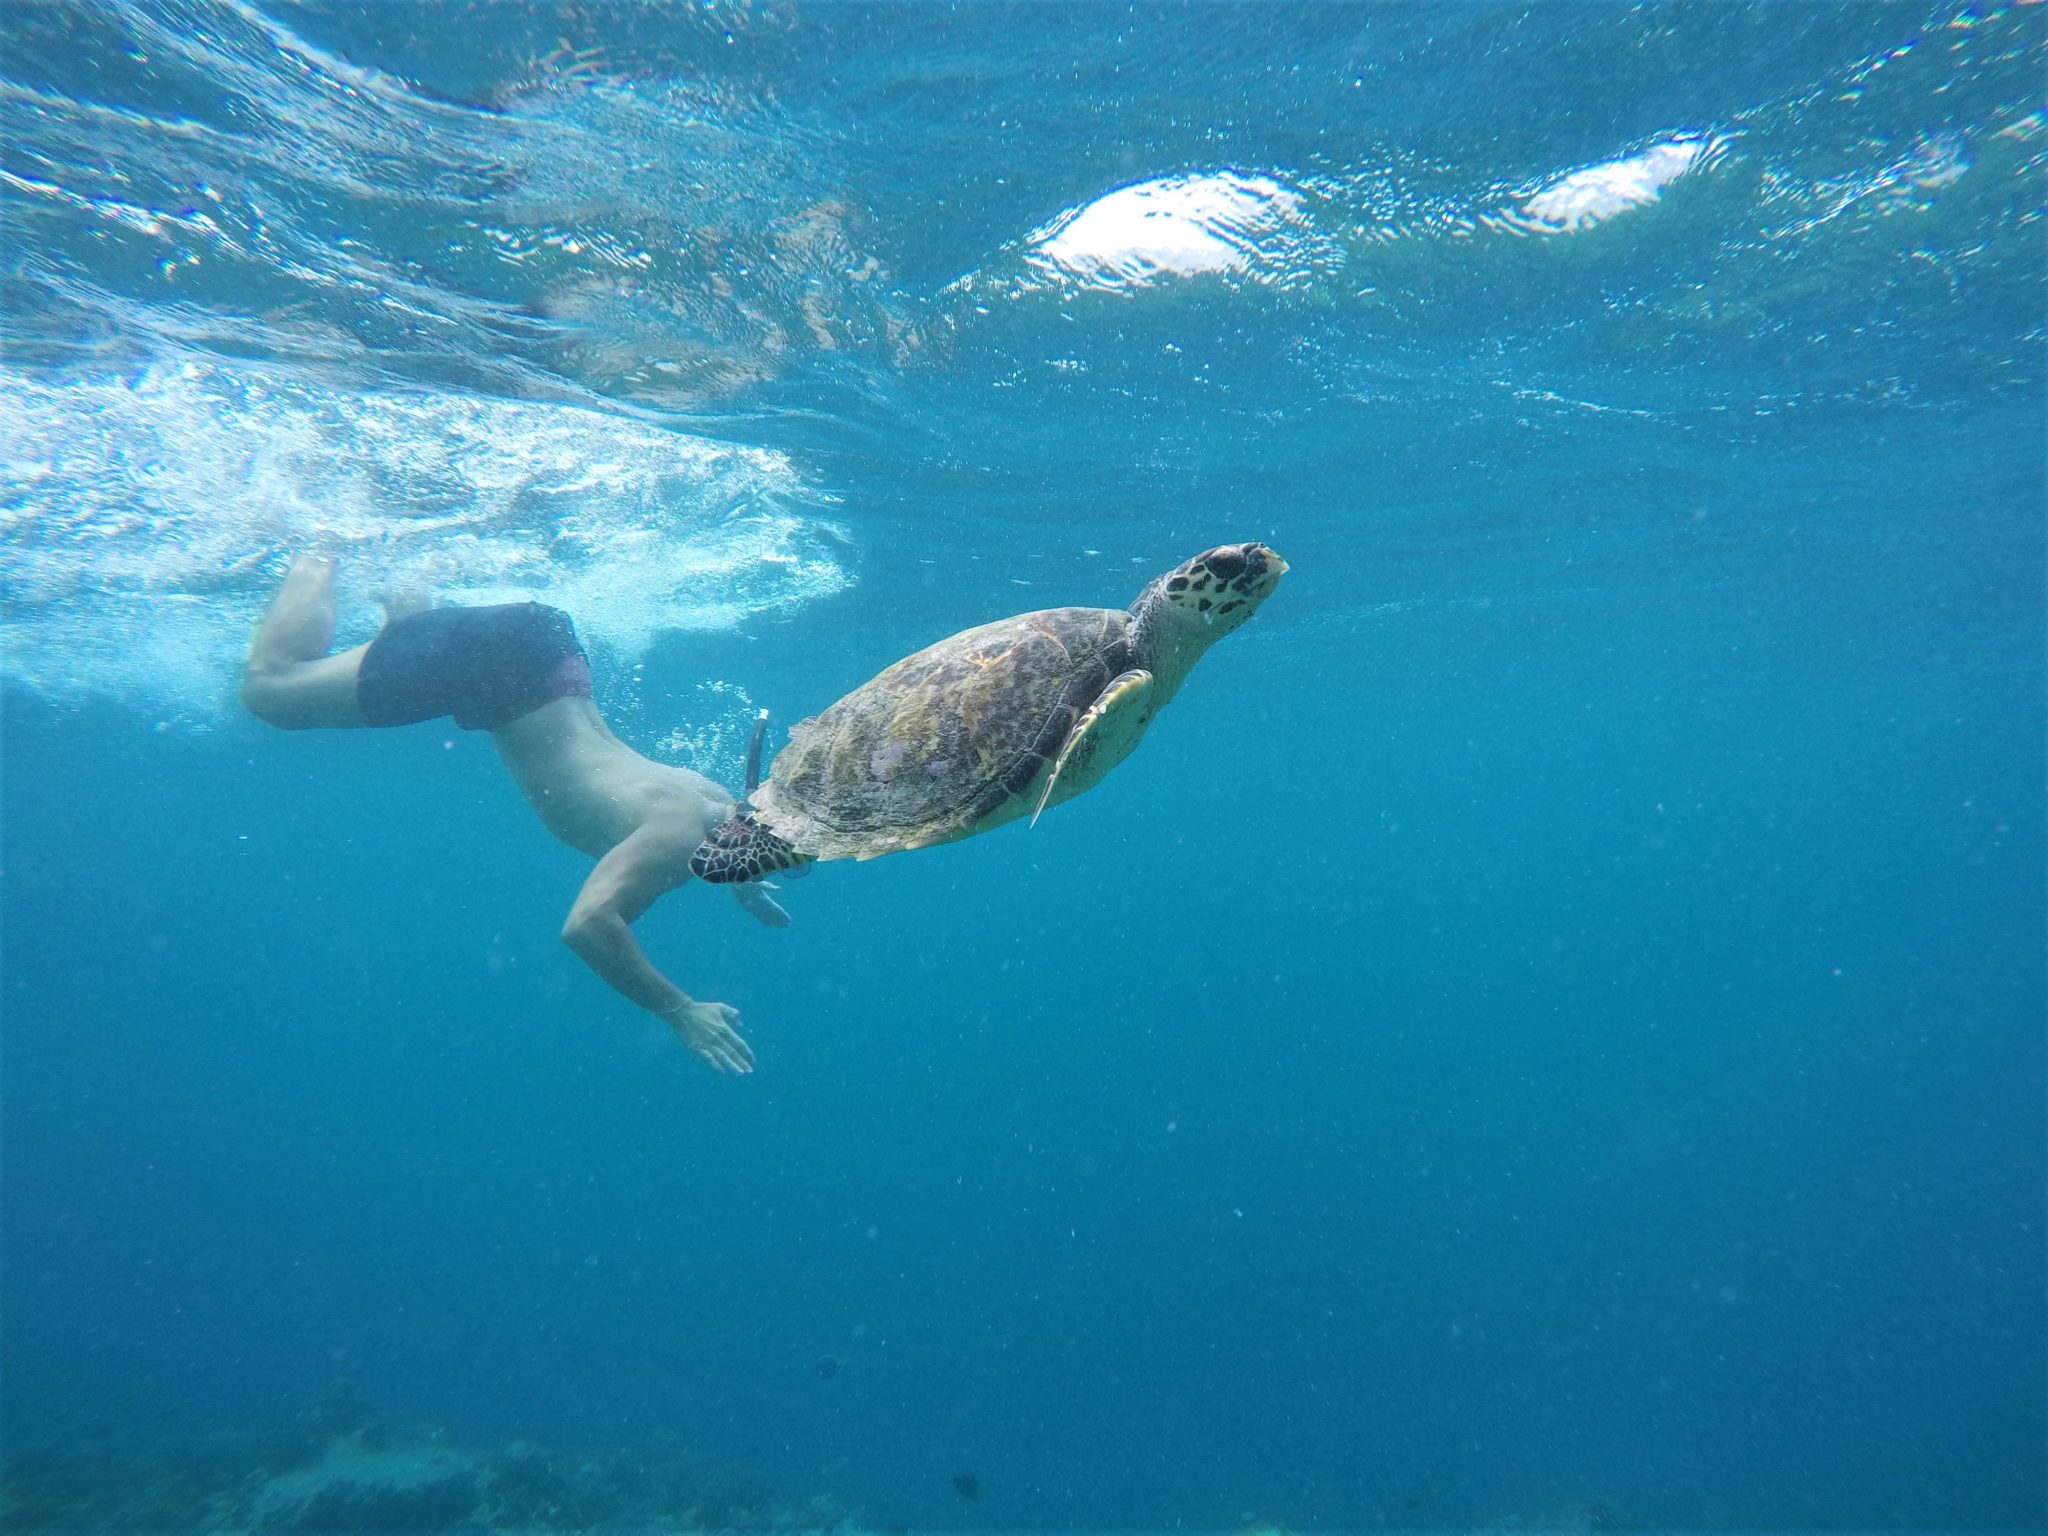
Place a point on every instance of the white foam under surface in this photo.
(145, 522)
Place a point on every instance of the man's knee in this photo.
(260, 695)
(304, 695)
(275, 700)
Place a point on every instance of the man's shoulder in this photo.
(683, 791)
(682, 806)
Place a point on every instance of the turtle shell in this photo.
(946, 742)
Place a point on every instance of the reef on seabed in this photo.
(340, 1468)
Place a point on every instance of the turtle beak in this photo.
(1273, 562)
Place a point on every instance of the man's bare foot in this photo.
(403, 602)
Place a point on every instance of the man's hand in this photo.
(712, 1031)
(754, 900)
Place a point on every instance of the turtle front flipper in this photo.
(1115, 705)
(743, 849)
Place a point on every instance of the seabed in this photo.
(335, 1472)
(341, 1469)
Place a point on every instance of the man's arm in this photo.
(652, 861)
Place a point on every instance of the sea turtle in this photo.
(996, 722)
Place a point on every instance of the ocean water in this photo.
(1547, 1031)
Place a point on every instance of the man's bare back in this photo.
(641, 820)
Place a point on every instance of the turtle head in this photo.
(1181, 614)
(1219, 589)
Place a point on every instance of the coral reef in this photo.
(337, 1468)
(1584, 1517)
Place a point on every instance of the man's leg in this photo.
(289, 679)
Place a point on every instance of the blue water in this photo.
(1552, 1018)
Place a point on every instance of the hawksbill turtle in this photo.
(978, 730)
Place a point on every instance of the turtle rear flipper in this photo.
(743, 849)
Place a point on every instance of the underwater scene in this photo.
(1544, 1033)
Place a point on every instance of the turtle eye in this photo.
(1225, 563)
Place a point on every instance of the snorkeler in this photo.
(518, 671)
